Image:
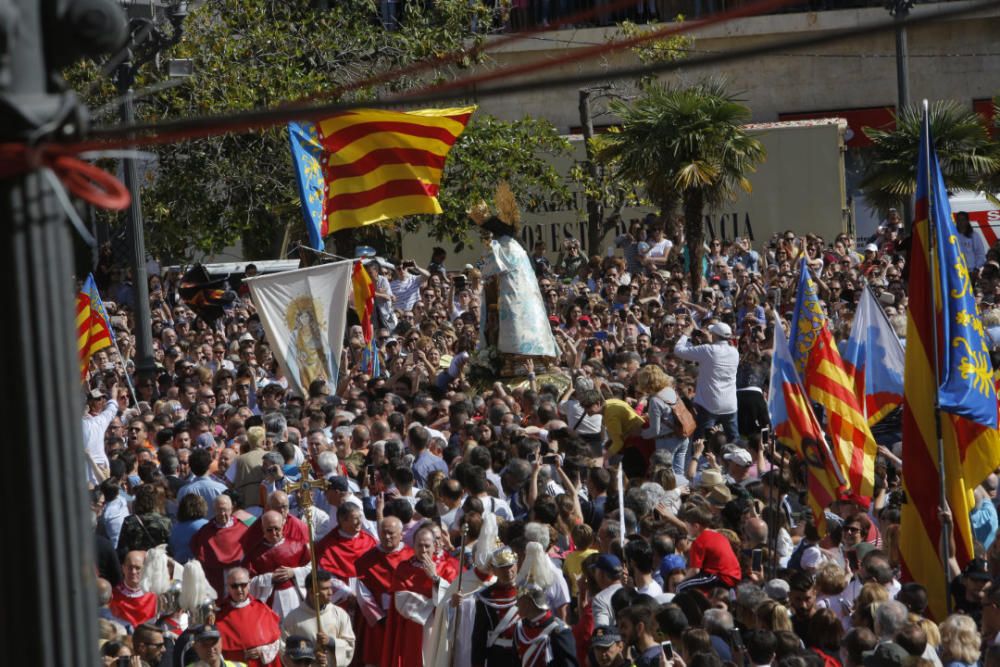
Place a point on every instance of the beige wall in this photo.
(799, 186)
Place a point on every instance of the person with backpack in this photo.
(670, 422)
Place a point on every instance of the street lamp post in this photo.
(146, 41)
(900, 9)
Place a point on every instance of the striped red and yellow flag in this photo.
(92, 330)
(379, 165)
(364, 299)
(795, 426)
(827, 382)
(960, 387)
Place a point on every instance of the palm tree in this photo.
(686, 145)
(969, 160)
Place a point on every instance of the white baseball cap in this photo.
(720, 329)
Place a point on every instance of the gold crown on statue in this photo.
(479, 213)
(506, 205)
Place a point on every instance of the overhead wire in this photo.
(201, 126)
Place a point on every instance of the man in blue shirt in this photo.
(203, 484)
(424, 462)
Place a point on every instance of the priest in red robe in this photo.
(278, 566)
(339, 551)
(218, 545)
(250, 630)
(128, 601)
(295, 528)
(418, 586)
(375, 571)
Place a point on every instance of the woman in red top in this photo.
(711, 561)
(417, 585)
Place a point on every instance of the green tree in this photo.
(248, 54)
(685, 145)
(967, 156)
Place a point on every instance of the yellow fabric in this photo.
(387, 209)
(573, 567)
(621, 421)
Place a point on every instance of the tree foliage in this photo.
(685, 145)
(968, 158)
(249, 54)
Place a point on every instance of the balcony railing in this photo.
(528, 14)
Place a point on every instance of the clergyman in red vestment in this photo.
(417, 587)
(250, 630)
(278, 566)
(339, 551)
(375, 571)
(218, 545)
(128, 601)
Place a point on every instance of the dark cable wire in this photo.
(203, 126)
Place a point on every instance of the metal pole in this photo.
(48, 603)
(145, 366)
(900, 9)
(595, 216)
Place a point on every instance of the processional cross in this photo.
(303, 490)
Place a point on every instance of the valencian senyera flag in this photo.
(795, 426)
(304, 314)
(873, 357)
(361, 167)
(93, 330)
(960, 385)
(827, 383)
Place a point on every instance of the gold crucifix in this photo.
(303, 490)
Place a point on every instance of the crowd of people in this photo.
(470, 520)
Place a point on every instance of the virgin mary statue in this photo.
(512, 318)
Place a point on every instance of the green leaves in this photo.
(969, 159)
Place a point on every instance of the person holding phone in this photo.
(637, 625)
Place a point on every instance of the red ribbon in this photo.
(83, 179)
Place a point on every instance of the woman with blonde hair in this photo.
(662, 399)
(773, 616)
(864, 605)
(960, 642)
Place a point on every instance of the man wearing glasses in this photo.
(249, 628)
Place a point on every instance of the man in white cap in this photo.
(738, 463)
(715, 390)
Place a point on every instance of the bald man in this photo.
(218, 545)
(128, 601)
(754, 533)
(278, 566)
(375, 570)
(295, 529)
(104, 593)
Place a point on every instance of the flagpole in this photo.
(128, 380)
(945, 545)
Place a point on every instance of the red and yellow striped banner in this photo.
(827, 382)
(92, 333)
(379, 165)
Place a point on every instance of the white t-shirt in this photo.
(572, 411)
